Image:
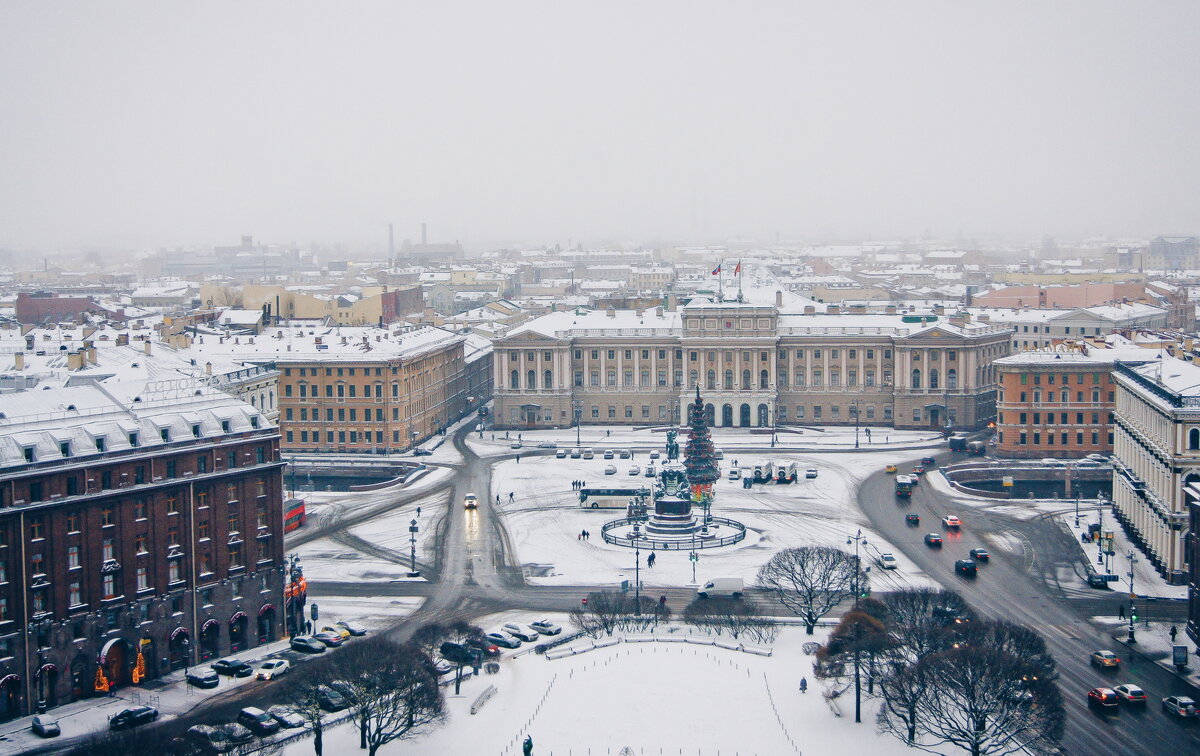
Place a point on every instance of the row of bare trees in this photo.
(607, 612)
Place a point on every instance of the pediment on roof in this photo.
(933, 333)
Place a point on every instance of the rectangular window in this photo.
(174, 572)
(143, 578)
(110, 586)
(74, 594)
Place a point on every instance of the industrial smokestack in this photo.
(424, 238)
(391, 244)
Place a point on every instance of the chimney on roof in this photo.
(889, 310)
(658, 312)
(612, 313)
(90, 353)
(832, 309)
(74, 361)
(939, 310)
(810, 310)
(19, 361)
(208, 368)
(672, 303)
(640, 312)
(778, 298)
(146, 346)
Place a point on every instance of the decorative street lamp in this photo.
(856, 539)
(412, 538)
(637, 565)
(578, 411)
(1132, 556)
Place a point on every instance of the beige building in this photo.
(756, 365)
(375, 304)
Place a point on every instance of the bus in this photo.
(293, 514)
(904, 485)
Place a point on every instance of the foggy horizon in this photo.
(134, 124)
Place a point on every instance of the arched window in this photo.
(547, 379)
(531, 379)
(916, 379)
(933, 379)
(693, 377)
(763, 379)
(952, 379)
(710, 379)
(1194, 439)
(729, 379)
(745, 380)
(514, 379)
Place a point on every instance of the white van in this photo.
(721, 587)
(589, 454)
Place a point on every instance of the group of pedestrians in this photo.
(650, 559)
(578, 484)
(583, 535)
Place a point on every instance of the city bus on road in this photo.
(904, 485)
(293, 514)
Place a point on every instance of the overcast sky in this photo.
(171, 123)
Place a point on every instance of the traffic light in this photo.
(1132, 614)
(694, 557)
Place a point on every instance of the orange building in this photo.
(1058, 402)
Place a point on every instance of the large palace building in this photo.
(141, 529)
(758, 365)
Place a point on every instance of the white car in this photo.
(886, 560)
(547, 445)
(273, 668)
(470, 501)
(735, 474)
(635, 470)
(546, 627)
(515, 445)
(524, 632)
(610, 470)
(810, 472)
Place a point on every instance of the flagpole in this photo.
(739, 274)
(720, 280)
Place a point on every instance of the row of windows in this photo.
(1062, 418)
(329, 371)
(1063, 437)
(1064, 396)
(343, 437)
(342, 390)
(1050, 378)
(65, 448)
(341, 414)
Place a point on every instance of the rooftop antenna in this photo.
(737, 271)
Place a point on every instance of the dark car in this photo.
(330, 700)
(966, 567)
(927, 461)
(307, 644)
(933, 539)
(138, 715)
(912, 518)
(980, 555)
(1105, 698)
(949, 615)
(329, 638)
(422, 453)
(203, 677)
(257, 721)
(233, 667)
(487, 647)
(460, 653)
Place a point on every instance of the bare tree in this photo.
(902, 691)
(305, 698)
(641, 618)
(812, 580)
(738, 617)
(404, 695)
(922, 621)
(605, 612)
(858, 641)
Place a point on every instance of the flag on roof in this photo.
(737, 268)
(717, 270)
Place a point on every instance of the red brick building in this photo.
(138, 533)
(47, 307)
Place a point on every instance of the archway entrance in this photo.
(114, 658)
(81, 684)
(266, 624)
(10, 697)
(237, 631)
(763, 416)
(727, 415)
(210, 640)
(744, 412)
(45, 685)
(180, 643)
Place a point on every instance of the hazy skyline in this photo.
(163, 123)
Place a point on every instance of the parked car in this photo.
(257, 721)
(488, 648)
(203, 677)
(635, 470)
(353, 628)
(287, 717)
(735, 474)
(886, 560)
(441, 667)
(273, 668)
(655, 455)
(307, 644)
(1180, 706)
(419, 452)
(966, 567)
(1052, 462)
(951, 522)
(980, 555)
(132, 717)
(504, 640)
(718, 454)
(1103, 697)
(609, 454)
(232, 667)
(610, 469)
(208, 738)
(912, 518)
(238, 734)
(45, 726)
(546, 627)
(547, 445)
(330, 700)
(589, 454)
(933, 539)
(515, 445)
(470, 501)
(810, 472)
(560, 454)
(650, 471)
(576, 453)
(1130, 693)
(340, 631)
(1105, 658)
(329, 638)
(524, 632)
(459, 653)
(625, 454)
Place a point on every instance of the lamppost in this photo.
(412, 539)
(1100, 533)
(187, 655)
(856, 539)
(1132, 556)
(694, 557)
(412, 434)
(578, 412)
(637, 566)
(855, 410)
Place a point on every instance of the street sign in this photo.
(1008, 481)
(624, 586)
(1179, 656)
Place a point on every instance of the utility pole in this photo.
(855, 423)
(1132, 556)
(637, 566)
(412, 538)
(578, 413)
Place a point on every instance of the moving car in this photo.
(918, 470)
(546, 627)
(966, 567)
(890, 469)
(721, 587)
(132, 717)
(232, 667)
(257, 721)
(635, 470)
(329, 638)
(286, 716)
(655, 455)
(273, 668)
(886, 560)
(810, 472)
(515, 445)
(933, 539)
(330, 700)
(353, 628)
(560, 454)
(1103, 697)
(1105, 658)
(718, 454)
(418, 452)
(203, 677)
(547, 445)
(46, 727)
(951, 521)
(927, 462)
(1130, 693)
(912, 518)
(470, 501)
(307, 644)
(650, 471)
(980, 555)
(735, 474)
(459, 653)
(610, 469)
(503, 639)
(1180, 706)
(524, 632)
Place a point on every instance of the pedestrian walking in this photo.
(608, 432)
(1121, 612)
(1173, 633)
(803, 684)
(518, 459)
(510, 496)
(418, 511)
(497, 498)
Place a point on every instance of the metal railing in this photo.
(673, 544)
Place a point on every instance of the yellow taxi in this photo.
(890, 469)
(338, 629)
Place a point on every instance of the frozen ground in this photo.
(1146, 580)
(545, 520)
(652, 697)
